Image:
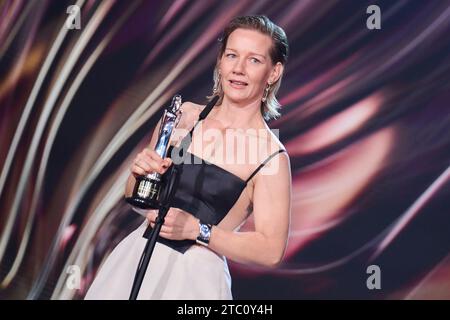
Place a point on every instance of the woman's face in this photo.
(246, 67)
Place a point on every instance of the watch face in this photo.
(204, 231)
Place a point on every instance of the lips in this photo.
(238, 84)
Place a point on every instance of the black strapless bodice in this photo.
(205, 190)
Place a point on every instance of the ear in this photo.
(276, 72)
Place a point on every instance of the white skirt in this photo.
(197, 274)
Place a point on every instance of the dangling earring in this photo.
(266, 92)
(216, 84)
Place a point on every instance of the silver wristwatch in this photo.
(205, 233)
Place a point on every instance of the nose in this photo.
(239, 67)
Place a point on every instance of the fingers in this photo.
(151, 215)
(152, 154)
(167, 162)
(148, 161)
(174, 223)
(162, 164)
(167, 230)
(137, 171)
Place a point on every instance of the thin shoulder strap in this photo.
(206, 110)
(263, 164)
(188, 138)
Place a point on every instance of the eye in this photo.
(254, 60)
(230, 55)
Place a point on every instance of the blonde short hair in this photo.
(278, 53)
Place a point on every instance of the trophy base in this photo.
(142, 203)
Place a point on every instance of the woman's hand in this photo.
(148, 161)
(178, 224)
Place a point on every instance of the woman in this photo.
(215, 197)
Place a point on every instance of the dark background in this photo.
(365, 120)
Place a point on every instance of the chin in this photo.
(235, 97)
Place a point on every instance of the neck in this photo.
(234, 115)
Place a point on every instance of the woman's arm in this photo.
(271, 208)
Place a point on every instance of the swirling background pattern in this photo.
(365, 119)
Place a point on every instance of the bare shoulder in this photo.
(189, 114)
(276, 165)
(273, 143)
(191, 107)
(282, 158)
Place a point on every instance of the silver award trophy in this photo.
(147, 188)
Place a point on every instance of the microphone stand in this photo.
(154, 233)
(165, 203)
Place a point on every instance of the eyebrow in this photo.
(252, 53)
